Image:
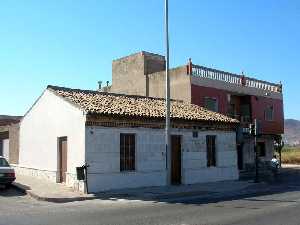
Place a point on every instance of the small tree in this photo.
(279, 144)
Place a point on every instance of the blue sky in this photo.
(72, 43)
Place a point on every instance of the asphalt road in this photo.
(280, 207)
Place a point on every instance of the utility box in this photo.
(80, 173)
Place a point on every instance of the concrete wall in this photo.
(180, 84)
(49, 118)
(4, 134)
(103, 156)
(248, 149)
(195, 169)
(129, 74)
(5, 148)
(14, 130)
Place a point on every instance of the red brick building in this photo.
(237, 96)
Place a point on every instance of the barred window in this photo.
(211, 104)
(127, 152)
(269, 111)
(211, 150)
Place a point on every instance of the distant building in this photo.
(9, 137)
(236, 96)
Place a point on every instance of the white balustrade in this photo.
(213, 74)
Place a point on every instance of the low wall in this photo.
(50, 176)
(212, 174)
(111, 181)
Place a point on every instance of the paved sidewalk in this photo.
(178, 191)
(48, 191)
(53, 192)
(294, 166)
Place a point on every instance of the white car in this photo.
(7, 173)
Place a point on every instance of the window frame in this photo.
(266, 113)
(212, 98)
(124, 166)
(211, 162)
(195, 134)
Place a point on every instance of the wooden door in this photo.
(176, 159)
(240, 156)
(63, 155)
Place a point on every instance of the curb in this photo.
(30, 193)
(203, 196)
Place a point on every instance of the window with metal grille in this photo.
(195, 134)
(211, 150)
(127, 152)
(269, 113)
(211, 104)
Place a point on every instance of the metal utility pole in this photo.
(256, 151)
(167, 128)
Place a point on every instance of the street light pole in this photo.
(167, 128)
(256, 180)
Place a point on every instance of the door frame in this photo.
(177, 182)
(59, 157)
(240, 156)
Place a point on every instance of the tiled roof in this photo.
(137, 106)
(8, 120)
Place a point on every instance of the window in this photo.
(127, 152)
(195, 134)
(269, 111)
(3, 163)
(211, 104)
(211, 150)
(261, 149)
(231, 110)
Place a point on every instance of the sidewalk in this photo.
(48, 191)
(53, 192)
(294, 166)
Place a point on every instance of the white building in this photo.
(121, 137)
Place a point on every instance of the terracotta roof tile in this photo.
(128, 105)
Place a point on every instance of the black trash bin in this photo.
(80, 173)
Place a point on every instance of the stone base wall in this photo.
(50, 176)
(36, 173)
(212, 174)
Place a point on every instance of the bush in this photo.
(290, 155)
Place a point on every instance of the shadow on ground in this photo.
(287, 181)
(10, 192)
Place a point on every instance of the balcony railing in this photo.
(201, 71)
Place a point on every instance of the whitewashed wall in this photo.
(195, 168)
(103, 156)
(49, 118)
(5, 144)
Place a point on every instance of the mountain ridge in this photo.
(292, 132)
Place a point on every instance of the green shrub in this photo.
(290, 155)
